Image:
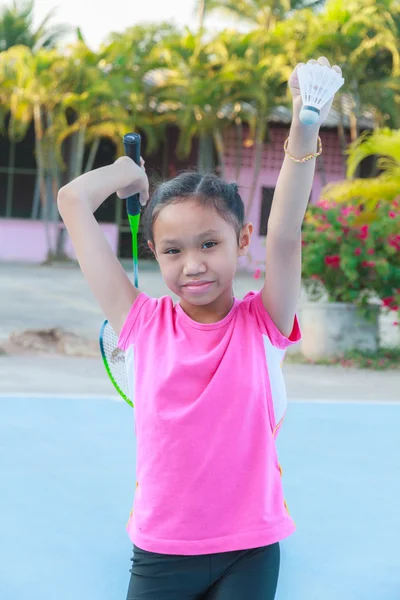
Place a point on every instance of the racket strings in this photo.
(114, 359)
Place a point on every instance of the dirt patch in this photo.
(50, 341)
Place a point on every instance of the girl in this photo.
(209, 510)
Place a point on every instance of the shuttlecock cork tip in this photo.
(309, 115)
(318, 84)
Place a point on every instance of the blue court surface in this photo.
(67, 470)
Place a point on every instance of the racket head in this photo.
(114, 361)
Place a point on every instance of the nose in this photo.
(194, 265)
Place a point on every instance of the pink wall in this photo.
(271, 162)
(25, 240)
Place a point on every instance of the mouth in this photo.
(198, 287)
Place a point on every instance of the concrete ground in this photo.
(68, 478)
(41, 297)
(65, 442)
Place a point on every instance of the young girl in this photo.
(209, 510)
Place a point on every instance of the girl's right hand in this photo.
(140, 183)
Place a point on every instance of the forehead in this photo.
(186, 219)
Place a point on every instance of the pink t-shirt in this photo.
(209, 400)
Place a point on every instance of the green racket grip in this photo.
(134, 226)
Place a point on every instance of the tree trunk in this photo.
(92, 154)
(239, 149)
(72, 156)
(60, 243)
(54, 186)
(37, 116)
(219, 145)
(164, 166)
(354, 116)
(354, 133)
(353, 126)
(201, 14)
(10, 179)
(205, 159)
(80, 151)
(260, 134)
(35, 214)
(342, 135)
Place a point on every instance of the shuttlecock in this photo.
(318, 84)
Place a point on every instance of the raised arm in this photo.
(283, 244)
(77, 201)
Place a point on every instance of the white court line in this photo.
(345, 401)
(46, 395)
(117, 398)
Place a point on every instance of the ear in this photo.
(152, 248)
(245, 238)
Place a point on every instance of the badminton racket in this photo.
(115, 360)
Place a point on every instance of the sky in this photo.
(97, 18)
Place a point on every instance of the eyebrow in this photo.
(212, 232)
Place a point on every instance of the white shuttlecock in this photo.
(318, 84)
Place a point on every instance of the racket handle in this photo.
(132, 143)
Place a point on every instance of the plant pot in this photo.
(330, 329)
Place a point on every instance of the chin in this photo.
(204, 301)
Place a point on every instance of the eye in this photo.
(208, 245)
(172, 251)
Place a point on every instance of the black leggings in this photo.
(238, 575)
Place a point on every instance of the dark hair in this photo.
(208, 190)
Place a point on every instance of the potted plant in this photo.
(351, 269)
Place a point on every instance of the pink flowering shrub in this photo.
(349, 261)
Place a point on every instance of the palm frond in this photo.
(369, 192)
(385, 142)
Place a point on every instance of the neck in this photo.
(210, 313)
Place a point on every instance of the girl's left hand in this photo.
(131, 189)
(295, 89)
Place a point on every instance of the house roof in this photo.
(280, 114)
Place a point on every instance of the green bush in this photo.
(349, 261)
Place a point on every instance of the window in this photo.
(266, 204)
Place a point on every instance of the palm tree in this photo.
(130, 64)
(363, 38)
(195, 87)
(360, 37)
(229, 80)
(179, 85)
(16, 27)
(35, 87)
(91, 111)
(30, 87)
(259, 13)
(107, 100)
(259, 71)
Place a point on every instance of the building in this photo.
(24, 235)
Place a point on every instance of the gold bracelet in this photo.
(306, 158)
